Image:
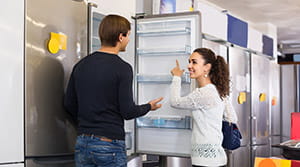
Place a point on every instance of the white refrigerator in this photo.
(160, 41)
(11, 85)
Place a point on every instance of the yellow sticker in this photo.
(57, 41)
(242, 97)
(262, 97)
(53, 46)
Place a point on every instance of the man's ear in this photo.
(121, 37)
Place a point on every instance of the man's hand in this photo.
(154, 104)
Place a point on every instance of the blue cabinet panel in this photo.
(237, 32)
(267, 45)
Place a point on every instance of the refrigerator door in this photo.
(51, 162)
(239, 66)
(240, 157)
(260, 99)
(218, 48)
(288, 96)
(12, 79)
(161, 40)
(48, 128)
(259, 151)
(13, 165)
(275, 107)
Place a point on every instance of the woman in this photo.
(207, 103)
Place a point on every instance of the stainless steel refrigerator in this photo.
(260, 106)
(56, 38)
(250, 95)
(239, 67)
(160, 40)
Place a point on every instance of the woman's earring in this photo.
(205, 75)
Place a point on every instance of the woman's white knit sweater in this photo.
(207, 111)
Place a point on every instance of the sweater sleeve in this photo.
(128, 109)
(229, 112)
(200, 98)
(70, 99)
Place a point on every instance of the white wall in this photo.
(12, 81)
(124, 8)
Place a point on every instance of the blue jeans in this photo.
(90, 151)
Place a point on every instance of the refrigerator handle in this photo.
(90, 26)
(54, 162)
(254, 130)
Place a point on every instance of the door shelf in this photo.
(160, 32)
(165, 122)
(165, 51)
(162, 78)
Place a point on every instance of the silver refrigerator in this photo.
(56, 38)
(160, 41)
(250, 96)
(240, 94)
(260, 107)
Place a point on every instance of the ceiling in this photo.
(285, 14)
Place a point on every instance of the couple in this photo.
(99, 97)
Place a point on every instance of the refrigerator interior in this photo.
(178, 35)
(49, 130)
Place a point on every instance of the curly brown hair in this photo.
(219, 72)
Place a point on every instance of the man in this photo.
(99, 97)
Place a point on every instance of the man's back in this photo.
(103, 86)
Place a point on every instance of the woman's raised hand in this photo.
(176, 71)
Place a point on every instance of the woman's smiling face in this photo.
(197, 67)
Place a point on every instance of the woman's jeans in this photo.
(90, 151)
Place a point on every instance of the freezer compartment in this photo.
(174, 122)
(161, 78)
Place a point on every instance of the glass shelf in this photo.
(169, 122)
(162, 78)
(169, 31)
(164, 51)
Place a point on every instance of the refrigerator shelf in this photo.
(164, 51)
(164, 122)
(161, 78)
(168, 31)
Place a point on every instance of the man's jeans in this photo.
(90, 151)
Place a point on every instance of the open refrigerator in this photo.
(160, 41)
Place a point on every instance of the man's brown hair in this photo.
(111, 27)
